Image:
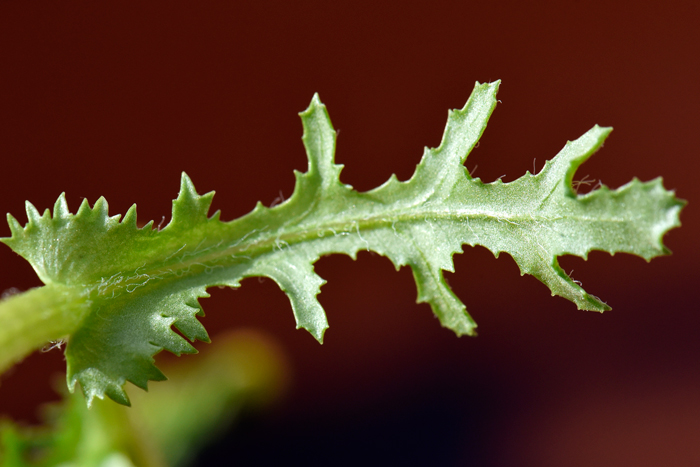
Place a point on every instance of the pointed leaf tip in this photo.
(313, 105)
(101, 206)
(495, 85)
(60, 208)
(33, 215)
(15, 226)
(189, 208)
(186, 184)
(130, 218)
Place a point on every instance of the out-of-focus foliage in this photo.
(165, 427)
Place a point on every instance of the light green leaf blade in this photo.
(136, 284)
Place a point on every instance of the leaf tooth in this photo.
(46, 215)
(169, 340)
(16, 228)
(185, 320)
(189, 208)
(216, 217)
(130, 217)
(188, 193)
(259, 207)
(192, 329)
(95, 383)
(187, 187)
(116, 393)
(33, 216)
(192, 296)
(391, 183)
(84, 209)
(147, 372)
(100, 210)
(60, 208)
(316, 101)
(202, 294)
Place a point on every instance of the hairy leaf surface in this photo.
(137, 283)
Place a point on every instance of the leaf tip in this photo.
(493, 85)
(60, 208)
(186, 183)
(130, 218)
(316, 332)
(33, 215)
(15, 226)
(313, 105)
(189, 207)
(101, 209)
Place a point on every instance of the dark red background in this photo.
(118, 98)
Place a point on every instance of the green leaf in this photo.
(73, 436)
(242, 370)
(136, 284)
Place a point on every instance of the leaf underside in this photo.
(139, 283)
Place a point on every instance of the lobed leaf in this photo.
(139, 283)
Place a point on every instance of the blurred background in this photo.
(116, 99)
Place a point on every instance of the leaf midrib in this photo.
(250, 251)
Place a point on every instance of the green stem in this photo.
(35, 317)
